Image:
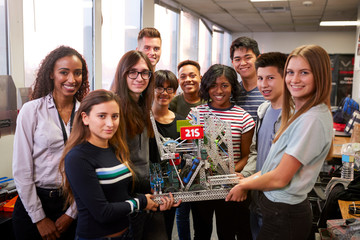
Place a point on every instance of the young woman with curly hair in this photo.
(43, 126)
(218, 87)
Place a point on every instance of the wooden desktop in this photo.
(344, 208)
(337, 144)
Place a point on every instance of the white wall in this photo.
(332, 42)
(6, 150)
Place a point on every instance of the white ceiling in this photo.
(284, 16)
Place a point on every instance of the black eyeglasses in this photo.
(161, 89)
(144, 75)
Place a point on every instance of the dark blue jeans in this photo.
(255, 224)
(255, 214)
(284, 221)
(183, 221)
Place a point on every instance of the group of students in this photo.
(96, 186)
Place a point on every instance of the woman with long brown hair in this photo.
(43, 126)
(97, 173)
(300, 147)
(134, 84)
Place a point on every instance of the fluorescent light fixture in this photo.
(339, 23)
(268, 0)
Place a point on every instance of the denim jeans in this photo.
(183, 221)
(256, 223)
(256, 220)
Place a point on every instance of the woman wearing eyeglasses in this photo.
(134, 84)
(166, 84)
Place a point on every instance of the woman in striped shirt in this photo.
(218, 85)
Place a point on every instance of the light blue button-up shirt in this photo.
(308, 139)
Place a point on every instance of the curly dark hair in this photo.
(43, 84)
(209, 78)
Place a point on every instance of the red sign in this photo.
(192, 132)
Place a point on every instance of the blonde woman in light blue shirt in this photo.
(300, 147)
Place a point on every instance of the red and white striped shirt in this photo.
(240, 120)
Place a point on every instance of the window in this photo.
(226, 49)
(120, 28)
(3, 39)
(217, 42)
(189, 35)
(205, 39)
(49, 24)
(167, 22)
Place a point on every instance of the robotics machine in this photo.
(207, 150)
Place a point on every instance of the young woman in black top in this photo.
(166, 85)
(97, 173)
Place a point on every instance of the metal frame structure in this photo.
(210, 160)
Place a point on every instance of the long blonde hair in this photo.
(80, 133)
(319, 62)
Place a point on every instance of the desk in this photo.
(337, 144)
(344, 208)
